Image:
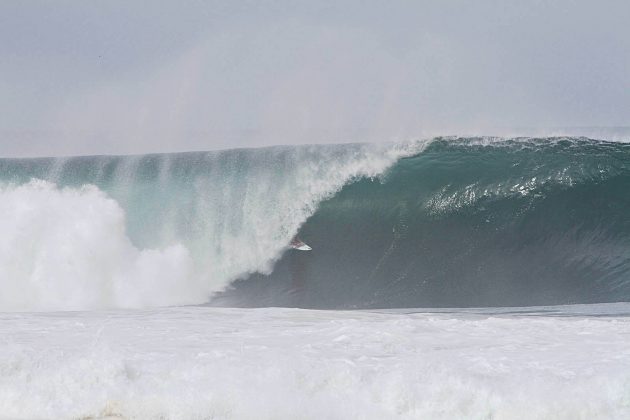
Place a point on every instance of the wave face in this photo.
(465, 222)
(159, 230)
(448, 223)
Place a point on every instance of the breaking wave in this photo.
(159, 230)
(466, 222)
(448, 222)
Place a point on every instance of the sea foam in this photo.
(67, 249)
(199, 363)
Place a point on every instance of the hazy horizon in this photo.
(123, 78)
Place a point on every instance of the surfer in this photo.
(296, 243)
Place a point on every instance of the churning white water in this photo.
(67, 249)
(210, 363)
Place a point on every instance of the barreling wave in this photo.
(449, 222)
(466, 222)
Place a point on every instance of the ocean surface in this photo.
(452, 278)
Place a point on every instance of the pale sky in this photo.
(92, 77)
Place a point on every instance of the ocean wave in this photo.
(159, 230)
(466, 222)
(447, 222)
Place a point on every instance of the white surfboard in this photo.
(299, 245)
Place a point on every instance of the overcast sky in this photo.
(86, 77)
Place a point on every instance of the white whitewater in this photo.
(210, 363)
(67, 249)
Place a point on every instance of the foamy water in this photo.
(196, 362)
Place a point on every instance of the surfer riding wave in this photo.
(296, 243)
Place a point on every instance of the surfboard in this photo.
(299, 245)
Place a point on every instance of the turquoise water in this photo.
(445, 223)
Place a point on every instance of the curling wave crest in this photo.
(160, 230)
